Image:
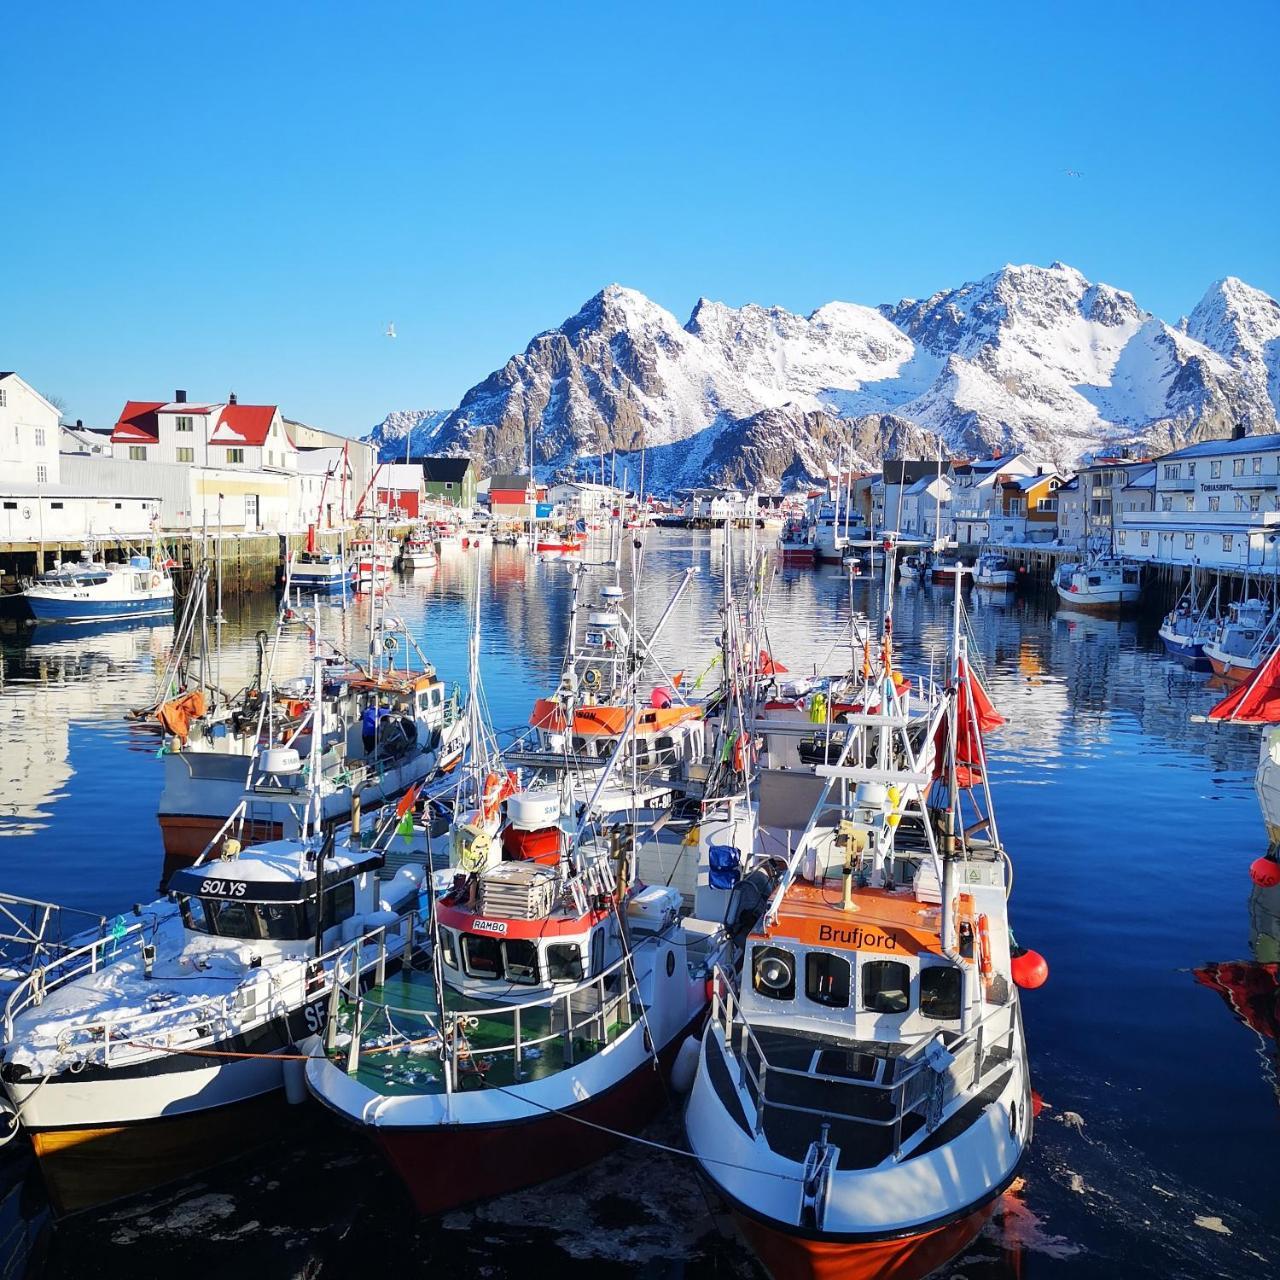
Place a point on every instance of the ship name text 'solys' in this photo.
(223, 888)
(858, 937)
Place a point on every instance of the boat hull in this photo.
(1105, 601)
(1183, 647)
(446, 1167)
(49, 608)
(1266, 782)
(796, 1257)
(1230, 668)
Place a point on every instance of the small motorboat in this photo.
(1190, 625)
(1105, 585)
(947, 568)
(1243, 638)
(995, 570)
(94, 591)
(418, 550)
(795, 543)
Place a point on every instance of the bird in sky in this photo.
(391, 331)
(1073, 173)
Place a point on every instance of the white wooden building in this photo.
(29, 434)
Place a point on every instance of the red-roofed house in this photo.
(205, 435)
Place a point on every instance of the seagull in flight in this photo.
(391, 331)
(1073, 173)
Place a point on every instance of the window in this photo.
(1256, 465)
(183, 423)
(56, 506)
(449, 948)
(1191, 502)
(11, 506)
(773, 973)
(39, 437)
(1215, 470)
(235, 455)
(448, 484)
(886, 986)
(1214, 503)
(137, 453)
(521, 960)
(1046, 504)
(826, 979)
(1237, 467)
(482, 955)
(1255, 502)
(1239, 501)
(940, 988)
(339, 903)
(4, 397)
(186, 454)
(1171, 471)
(1226, 541)
(42, 475)
(564, 962)
(1120, 537)
(1191, 541)
(1191, 470)
(1166, 504)
(1146, 537)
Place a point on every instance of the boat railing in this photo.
(926, 1080)
(580, 1020)
(173, 1027)
(32, 931)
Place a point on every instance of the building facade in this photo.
(449, 480)
(29, 434)
(1215, 504)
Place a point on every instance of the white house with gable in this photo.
(29, 434)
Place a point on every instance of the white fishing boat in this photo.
(374, 558)
(154, 1048)
(861, 1096)
(418, 551)
(795, 543)
(995, 570)
(1107, 584)
(1243, 638)
(1191, 623)
(94, 591)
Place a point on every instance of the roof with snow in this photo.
(137, 423)
(1030, 482)
(1143, 480)
(922, 485)
(1207, 448)
(243, 424)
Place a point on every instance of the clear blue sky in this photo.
(241, 196)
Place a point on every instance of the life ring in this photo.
(591, 677)
(984, 947)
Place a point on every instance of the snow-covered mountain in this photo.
(1032, 358)
(421, 424)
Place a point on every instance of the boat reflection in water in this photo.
(1251, 988)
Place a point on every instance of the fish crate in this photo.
(518, 891)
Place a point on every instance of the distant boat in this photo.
(795, 544)
(1189, 625)
(91, 591)
(1243, 639)
(1105, 585)
(994, 570)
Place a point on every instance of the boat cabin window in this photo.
(564, 962)
(515, 959)
(773, 973)
(940, 991)
(826, 979)
(448, 948)
(886, 986)
(252, 921)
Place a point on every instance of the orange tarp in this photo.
(176, 715)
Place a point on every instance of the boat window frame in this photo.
(868, 968)
(935, 971)
(574, 962)
(811, 960)
(763, 950)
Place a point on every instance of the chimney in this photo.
(79, 424)
(179, 396)
(1039, 471)
(231, 399)
(1238, 432)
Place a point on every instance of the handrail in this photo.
(968, 1067)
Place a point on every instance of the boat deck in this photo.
(400, 1041)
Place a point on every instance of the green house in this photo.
(450, 480)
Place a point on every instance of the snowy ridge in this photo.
(421, 425)
(1028, 358)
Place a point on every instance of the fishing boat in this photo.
(1107, 584)
(1243, 638)
(995, 570)
(323, 571)
(374, 557)
(861, 1095)
(795, 543)
(162, 1043)
(94, 591)
(383, 729)
(947, 568)
(418, 550)
(1190, 624)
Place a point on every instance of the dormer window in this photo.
(184, 422)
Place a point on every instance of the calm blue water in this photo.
(1131, 829)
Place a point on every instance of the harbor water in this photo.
(1131, 829)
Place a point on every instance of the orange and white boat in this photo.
(861, 1096)
(1243, 638)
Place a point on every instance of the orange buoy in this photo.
(1030, 969)
(984, 948)
(1265, 872)
(1037, 1104)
